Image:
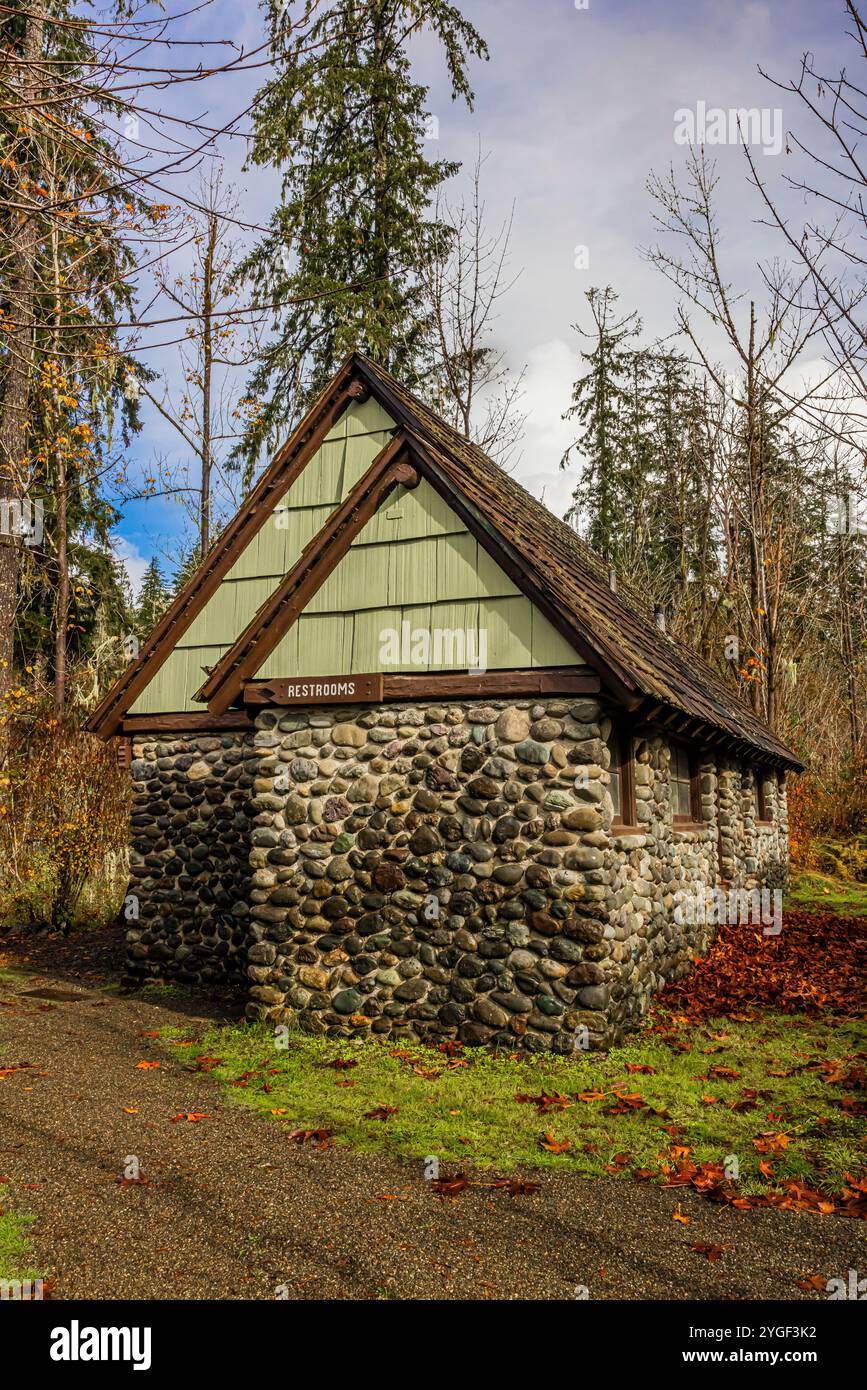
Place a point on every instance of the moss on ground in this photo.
(817, 892)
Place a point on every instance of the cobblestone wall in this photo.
(190, 859)
(433, 871)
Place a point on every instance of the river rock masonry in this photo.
(431, 872)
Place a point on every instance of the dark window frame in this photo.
(679, 818)
(622, 738)
(762, 807)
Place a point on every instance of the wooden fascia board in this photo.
(447, 685)
(286, 466)
(197, 721)
(444, 685)
(615, 678)
(317, 561)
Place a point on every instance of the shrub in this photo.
(826, 810)
(64, 815)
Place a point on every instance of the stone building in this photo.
(408, 761)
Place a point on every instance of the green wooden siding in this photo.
(414, 562)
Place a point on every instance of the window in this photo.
(621, 787)
(763, 800)
(685, 803)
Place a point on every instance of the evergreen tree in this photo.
(346, 122)
(153, 599)
(681, 531)
(185, 571)
(600, 402)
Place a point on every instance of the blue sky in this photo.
(575, 108)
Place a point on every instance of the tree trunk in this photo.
(61, 608)
(848, 649)
(19, 341)
(207, 365)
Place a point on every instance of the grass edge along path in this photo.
(769, 1098)
(14, 1249)
(14, 1245)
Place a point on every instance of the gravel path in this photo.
(232, 1209)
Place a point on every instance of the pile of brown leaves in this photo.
(817, 964)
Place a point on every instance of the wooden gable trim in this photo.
(614, 675)
(319, 558)
(237, 667)
(700, 688)
(286, 466)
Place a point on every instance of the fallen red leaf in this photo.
(712, 1252)
(554, 1146)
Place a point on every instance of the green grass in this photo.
(14, 976)
(469, 1116)
(14, 1248)
(815, 892)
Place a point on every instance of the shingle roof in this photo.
(617, 626)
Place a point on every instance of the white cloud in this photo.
(551, 371)
(132, 560)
